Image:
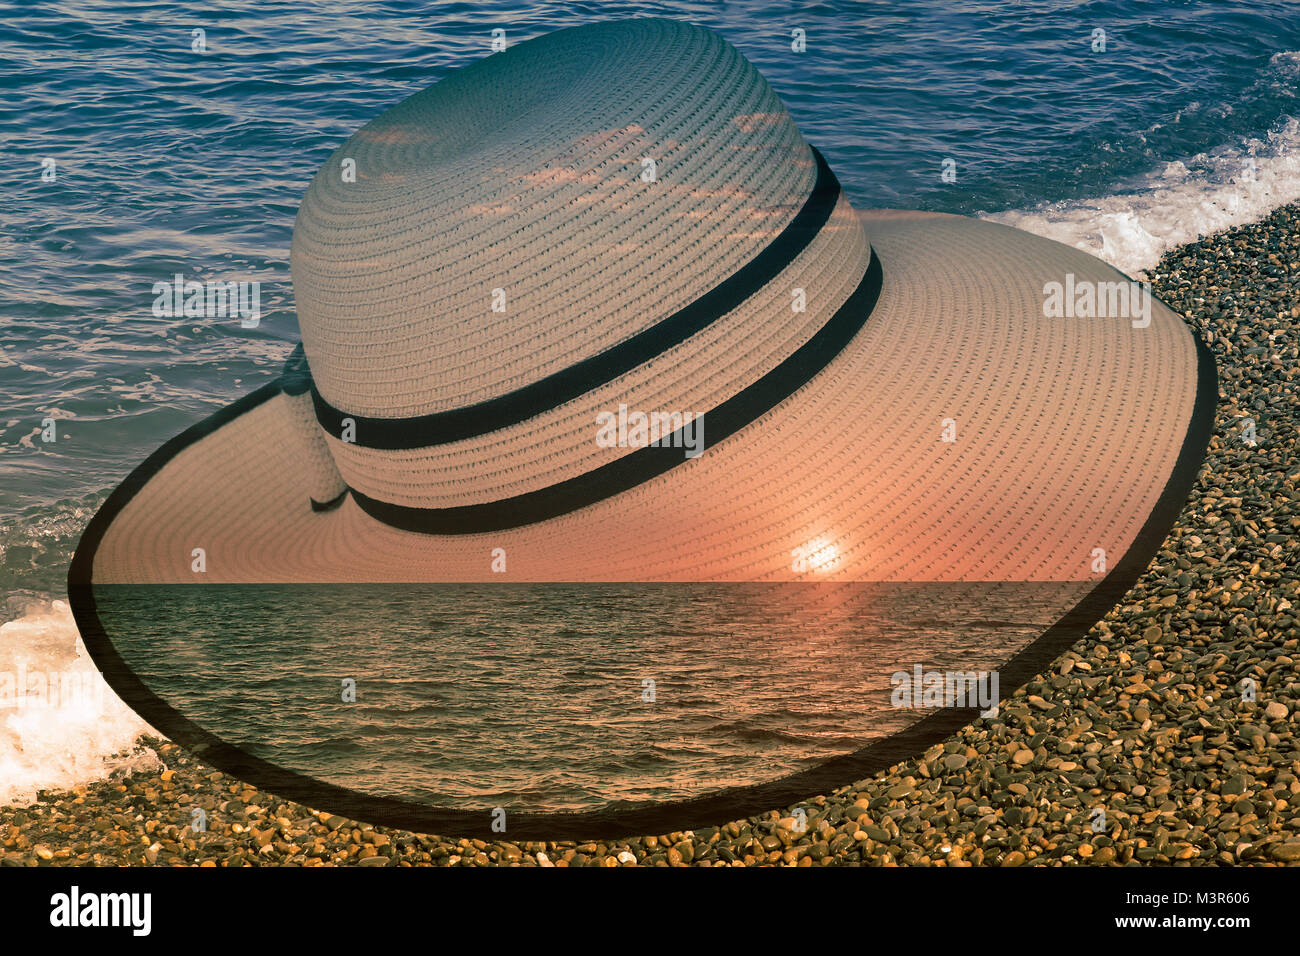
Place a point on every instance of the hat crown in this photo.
(535, 209)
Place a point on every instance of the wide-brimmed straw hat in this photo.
(592, 309)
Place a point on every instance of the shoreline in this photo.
(1142, 718)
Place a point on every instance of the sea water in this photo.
(560, 697)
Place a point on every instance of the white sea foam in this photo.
(60, 723)
(1176, 203)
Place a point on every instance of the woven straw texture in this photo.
(523, 172)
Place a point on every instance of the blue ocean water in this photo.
(169, 160)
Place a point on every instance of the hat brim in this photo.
(1072, 436)
(1066, 433)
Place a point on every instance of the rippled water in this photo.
(533, 696)
(172, 161)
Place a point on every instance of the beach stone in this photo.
(1234, 786)
(1287, 852)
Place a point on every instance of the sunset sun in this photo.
(819, 555)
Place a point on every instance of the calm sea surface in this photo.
(533, 696)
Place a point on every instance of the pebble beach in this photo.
(1167, 735)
